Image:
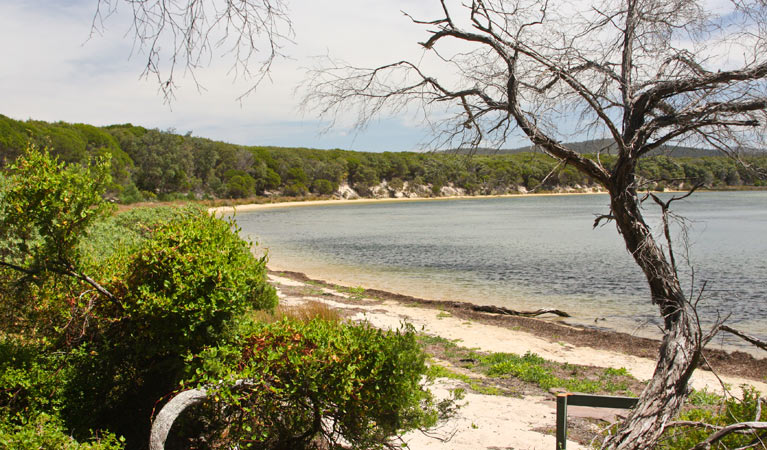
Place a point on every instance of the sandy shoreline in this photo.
(743, 366)
(220, 210)
(491, 421)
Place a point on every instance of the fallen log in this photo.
(511, 312)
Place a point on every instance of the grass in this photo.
(534, 369)
(704, 398)
(437, 371)
(355, 292)
(304, 312)
(529, 368)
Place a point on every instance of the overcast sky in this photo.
(52, 71)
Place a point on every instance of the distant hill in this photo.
(149, 164)
(597, 145)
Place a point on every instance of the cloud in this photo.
(55, 72)
(52, 71)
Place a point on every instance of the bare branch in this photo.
(736, 427)
(746, 337)
(181, 35)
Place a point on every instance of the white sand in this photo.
(223, 210)
(496, 421)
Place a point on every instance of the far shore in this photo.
(361, 201)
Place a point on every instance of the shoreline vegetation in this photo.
(177, 286)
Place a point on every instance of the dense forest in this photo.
(149, 164)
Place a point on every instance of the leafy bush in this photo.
(185, 283)
(44, 432)
(323, 187)
(114, 308)
(27, 383)
(190, 279)
(317, 379)
(733, 410)
(46, 208)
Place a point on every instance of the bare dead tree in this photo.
(183, 35)
(643, 73)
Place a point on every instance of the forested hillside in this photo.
(150, 164)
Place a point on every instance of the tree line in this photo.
(151, 164)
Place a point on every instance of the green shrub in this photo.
(733, 411)
(27, 381)
(184, 285)
(307, 380)
(295, 189)
(44, 432)
(190, 279)
(323, 187)
(240, 185)
(123, 233)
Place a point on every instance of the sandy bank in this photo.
(221, 210)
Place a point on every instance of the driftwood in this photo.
(511, 312)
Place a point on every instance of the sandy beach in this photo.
(498, 421)
(223, 210)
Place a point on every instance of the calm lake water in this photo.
(528, 252)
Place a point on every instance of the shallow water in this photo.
(528, 252)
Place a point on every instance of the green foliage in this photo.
(732, 411)
(178, 280)
(532, 368)
(115, 307)
(123, 233)
(150, 164)
(704, 398)
(46, 208)
(318, 378)
(240, 185)
(45, 432)
(26, 381)
(184, 281)
(323, 187)
(190, 278)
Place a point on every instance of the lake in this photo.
(528, 252)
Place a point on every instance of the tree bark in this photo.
(681, 345)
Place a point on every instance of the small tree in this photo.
(46, 208)
(643, 73)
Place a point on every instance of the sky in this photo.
(53, 70)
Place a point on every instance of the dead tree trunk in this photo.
(681, 345)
